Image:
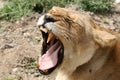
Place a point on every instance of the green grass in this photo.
(32, 65)
(36, 40)
(12, 78)
(97, 6)
(15, 9)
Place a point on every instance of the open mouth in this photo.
(51, 53)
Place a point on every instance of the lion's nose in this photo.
(48, 18)
(45, 19)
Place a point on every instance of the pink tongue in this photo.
(50, 58)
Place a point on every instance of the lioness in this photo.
(82, 49)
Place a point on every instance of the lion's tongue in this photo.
(50, 58)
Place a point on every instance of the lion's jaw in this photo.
(71, 34)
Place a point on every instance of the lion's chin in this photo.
(52, 52)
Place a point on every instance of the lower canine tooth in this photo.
(50, 36)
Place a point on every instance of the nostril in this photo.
(49, 19)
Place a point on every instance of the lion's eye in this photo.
(49, 19)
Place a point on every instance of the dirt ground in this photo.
(20, 49)
(20, 46)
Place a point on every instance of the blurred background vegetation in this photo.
(15, 9)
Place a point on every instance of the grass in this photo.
(97, 6)
(32, 65)
(12, 78)
(36, 40)
(15, 77)
(15, 9)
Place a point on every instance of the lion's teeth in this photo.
(50, 36)
(44, 29)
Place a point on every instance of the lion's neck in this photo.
(96, 67)
(98, 60)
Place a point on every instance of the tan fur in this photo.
(90, 52)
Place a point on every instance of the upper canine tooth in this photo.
(44, 29)
(50, 36)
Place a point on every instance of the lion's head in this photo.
(67, 33)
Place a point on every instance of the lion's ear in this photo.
(104, 38)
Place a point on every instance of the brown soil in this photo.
(20, 49)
